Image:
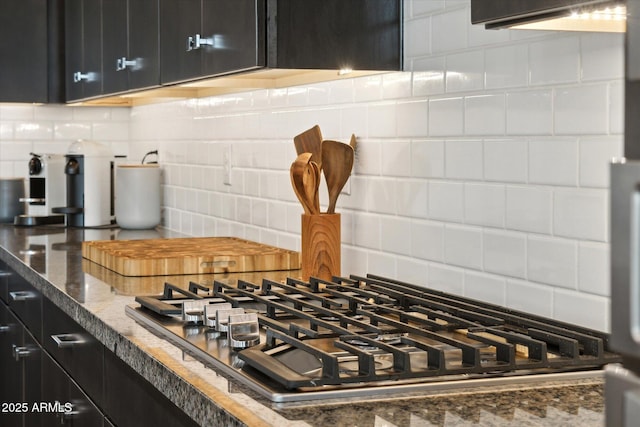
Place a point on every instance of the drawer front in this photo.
(77, 351)
(5, 274)
(129, 393)
(76, 407)
(26, 302)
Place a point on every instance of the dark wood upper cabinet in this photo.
(83, 48)
(118, 46)
(130, 47)
(335, 34)
(210, 37)
(206, 38)
(31, 37)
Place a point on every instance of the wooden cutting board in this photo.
(192, 255)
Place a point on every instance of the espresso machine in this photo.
(46, 190)
(88, 171)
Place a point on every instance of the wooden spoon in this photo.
(312, 185)
(337, 164)
(299, 168)
(310, 141)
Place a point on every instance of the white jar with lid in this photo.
(137, 196)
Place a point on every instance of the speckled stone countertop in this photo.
(51, 259)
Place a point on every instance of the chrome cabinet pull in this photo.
(197, 41)
(22, 295)
(4, 273)
(67, 340)
(80, 77)
(124, 63)
(21, 352)
(4, 328)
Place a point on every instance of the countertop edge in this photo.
(183, 394)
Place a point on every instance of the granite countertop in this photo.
(51, 259)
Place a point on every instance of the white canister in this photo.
(137, 201)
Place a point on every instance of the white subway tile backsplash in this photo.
(412, 198)
(427, 159)
(555, 60)
(412, 271)
(446, 117)
(529, 209)
(427, 240)
(484, 115)
(553, 161)
(396, 85)
(442, 38)
(417, 35)
(465, 72)
(506, 66)
(530, 297)
(616, 108)
(381, 196)
(395, 235)
(594, 267)
(366, 230)
(505, 160)
(382, 120)
(590, 311)
(430, 82)
(446, 278)
(600, 57)
(552, 261)
(485, 287)
(505, 253)
(33, 130)
(581, 110)
(367, 88)
(484, 204)
(421, 7)
(412, 118)
(529, 113)
(463, 246)
(446, 201)
(595, 158)
(463, 159)
(581, 214)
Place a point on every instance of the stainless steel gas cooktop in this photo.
(364, 337)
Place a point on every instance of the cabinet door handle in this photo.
(22, 295)
(197, 41)
(21, 352)
(4, 328)
(124, 63)
(4, 273)
(67, 340)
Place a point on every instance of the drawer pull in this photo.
(67, 340)
(4, 273)
(22, 295)
(4, 328)
(21, 352)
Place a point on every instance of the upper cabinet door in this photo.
(29, 30)
(114, 45)
(234, 35)
(130, 45)
(336, 34)
(144, 43)
(83, 49)
(180, 22)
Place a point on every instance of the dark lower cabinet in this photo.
(127, 393)
(68, 404)
(63, 376)
(20, 361)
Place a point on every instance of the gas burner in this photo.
(293, 339)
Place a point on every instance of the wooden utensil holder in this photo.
(320, 246)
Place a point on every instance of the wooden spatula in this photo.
(337, 159)
(310, 141)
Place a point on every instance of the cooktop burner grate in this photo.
(358, 331)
